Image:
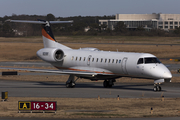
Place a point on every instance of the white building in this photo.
(149, 21)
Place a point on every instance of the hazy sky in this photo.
(66, 8)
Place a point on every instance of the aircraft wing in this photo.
(52, 71)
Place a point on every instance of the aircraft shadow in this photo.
(140, 87)
(123, 87)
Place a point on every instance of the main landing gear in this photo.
(70, 85)
(157, 87)
(109, 83)
(71, 82)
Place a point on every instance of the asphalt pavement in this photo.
(87, 90)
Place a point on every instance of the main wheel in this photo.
(73, 85)
(105, 83)
(110, 86)
(70, 85)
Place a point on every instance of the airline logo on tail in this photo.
(45, 34)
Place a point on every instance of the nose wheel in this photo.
(157, 88)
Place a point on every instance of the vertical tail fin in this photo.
(48, 37)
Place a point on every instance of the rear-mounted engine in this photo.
(51, 54)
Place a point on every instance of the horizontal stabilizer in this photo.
(47, 34)
(38, 22)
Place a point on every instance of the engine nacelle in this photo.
(51, 54)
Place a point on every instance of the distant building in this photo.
(18, 33)
(147, 21)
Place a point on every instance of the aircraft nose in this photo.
(161, 71)
(167, 75)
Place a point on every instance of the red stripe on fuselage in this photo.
(83, 70)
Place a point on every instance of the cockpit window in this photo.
(151, 60)
(140, 61)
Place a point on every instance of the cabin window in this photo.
(72, 58)
(116, 61)
(109, 60)
(84, 58)
(101, 59)
(80, 59)
(92, 59)
(97, 60)
(119, 61)
(76, 58)
(105, 60)
(140, 61)
(112, 60)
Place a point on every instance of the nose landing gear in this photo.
(157, 87)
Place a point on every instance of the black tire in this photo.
(105, 84)
(67, 85)
(159, 88)
(155, 88)
(72, 86)
(110, 86)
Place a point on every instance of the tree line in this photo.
(76, 28)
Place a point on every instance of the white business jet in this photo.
(95, 64)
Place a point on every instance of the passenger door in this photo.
(123, 65)
(88, 60)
